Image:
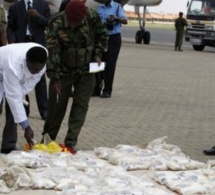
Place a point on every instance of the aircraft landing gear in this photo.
(144, 36)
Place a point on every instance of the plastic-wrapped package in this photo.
(128, 149)
(116, 157)
(12, 177)
(188, 188)
(155, 191)
(104, 152)
(144, 181)
(147, 153)
(121, 191)
(175, 165)
(42, 183)
(69, 183)
(71, 191)
(158, 163)
(3, 187)
(23, 181)
(152, 144)
(115, 182)
(134, 163)
(210, 164)
(188, 182)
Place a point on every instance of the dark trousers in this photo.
(179, 38)
(110, 57)
(1, 106)
(83, 87)
(41, 96)
(9, 136)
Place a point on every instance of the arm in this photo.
(11, 24)
(14, 96)
(121, 17)
(101, 36)
(43, 16)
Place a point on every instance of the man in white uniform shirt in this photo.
(21, 67)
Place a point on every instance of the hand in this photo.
(98, 60)
(29, 135)
(114, 18)
(57, 87)
(33, 12)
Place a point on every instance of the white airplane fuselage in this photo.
(144, 2)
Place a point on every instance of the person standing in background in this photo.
(27, 21)
(114, 16)
(180, 23)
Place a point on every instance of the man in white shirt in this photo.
(21, 67)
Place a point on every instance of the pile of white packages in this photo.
(109, 171)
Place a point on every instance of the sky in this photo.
(167, 6)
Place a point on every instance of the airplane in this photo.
(141, 35)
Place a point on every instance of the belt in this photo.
(29, 37)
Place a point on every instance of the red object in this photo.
(75, 10)
(65, 149)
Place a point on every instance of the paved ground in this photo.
(157, 92)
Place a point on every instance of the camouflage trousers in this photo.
(83, 88)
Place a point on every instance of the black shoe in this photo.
(210, 151)
(8, 150)
(105, 95)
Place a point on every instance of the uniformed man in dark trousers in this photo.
(180, 23)
(75, 37)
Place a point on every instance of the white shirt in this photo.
(15, 78)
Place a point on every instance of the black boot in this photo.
(179, 49)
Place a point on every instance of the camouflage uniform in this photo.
(3, 23)
(84, 43)
(180, 23)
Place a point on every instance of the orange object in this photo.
(67, 149)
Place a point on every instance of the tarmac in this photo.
(157, 92)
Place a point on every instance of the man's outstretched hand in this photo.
(29, 135)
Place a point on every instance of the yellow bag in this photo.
(52, 147)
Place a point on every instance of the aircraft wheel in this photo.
(198, 47)
(147, 38)
(138, 37)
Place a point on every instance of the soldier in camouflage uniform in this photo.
(75, 37)
(180, 23)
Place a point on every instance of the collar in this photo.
(26, 2)
(110, 5)
(66, 21)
